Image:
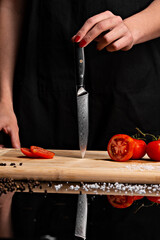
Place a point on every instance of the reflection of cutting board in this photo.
(68, 166)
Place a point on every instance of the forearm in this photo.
(11, 13)
(145, 25)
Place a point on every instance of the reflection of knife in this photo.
(81, 219)
(82, 100)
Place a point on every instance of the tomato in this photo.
(154, 199)
(121, 147)
(119, 201)
(139, 149)
(37, 152)
(41, 152)
(137, 197)
(28, 153)
(153, 150)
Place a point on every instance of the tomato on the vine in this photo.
(153, 150)
(138, 197)
(139, 149)
(119, 201)
(121, 147)
(154, 199)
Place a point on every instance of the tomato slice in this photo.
(121, 147)
(119, 201)
(41, 152)
(154, 199)
(28, 153)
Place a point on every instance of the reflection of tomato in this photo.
(28, 153)
(139, 149)
(137, 197)
(120, 147)
(154, 199)
(41, 152)
(153, 150)
(119, 201)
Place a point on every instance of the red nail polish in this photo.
(77, 38)
(82, 43)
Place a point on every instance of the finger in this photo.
(90, 23)
(121, 44)
(115, 34)
(5, 199)
(14, 135)
(99, 28)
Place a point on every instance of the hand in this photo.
(109, 30)
(8, 123)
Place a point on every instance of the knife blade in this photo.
(82, 100)
(81, 218)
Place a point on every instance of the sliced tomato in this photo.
(41, 152)
(154, 199)
(121, 147)
(119, 201)
(137, 197)
(139, 149)
(153, 150)
(27, 152)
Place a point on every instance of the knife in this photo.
(82, 100)
(81, 218)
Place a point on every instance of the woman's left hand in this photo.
(109, 30)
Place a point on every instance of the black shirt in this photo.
(123, 86)
(123, 94)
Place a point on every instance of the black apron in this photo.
(123, 87)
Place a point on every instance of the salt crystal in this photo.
(77, 187)
(57, 187)
(142, 192)
(71, 187)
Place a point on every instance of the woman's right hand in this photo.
(109, 30)
(8, 124)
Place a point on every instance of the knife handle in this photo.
(80, 65)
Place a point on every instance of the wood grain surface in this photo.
(67, 165)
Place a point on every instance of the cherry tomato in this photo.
(137, 197)
(28, 153)
(139, 149)
(121, 147)
(119, 201)
(41, 152)
(153, 150)
(154, 199)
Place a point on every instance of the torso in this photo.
(123, 86)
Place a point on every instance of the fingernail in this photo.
(82, 43)
(77, 38)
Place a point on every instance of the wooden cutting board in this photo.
(67, 165)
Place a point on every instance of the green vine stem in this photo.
(148, 134)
